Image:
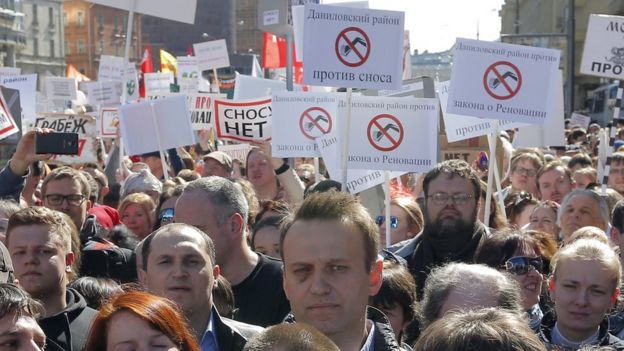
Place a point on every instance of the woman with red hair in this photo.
(138, 320)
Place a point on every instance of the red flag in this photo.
(274, 51)
(189, 50)
(147, 66)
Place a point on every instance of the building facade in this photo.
(12, 37)
(43, 53)
(436, 65)
(93, 30)
(528, 20)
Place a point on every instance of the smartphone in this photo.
(56, 143)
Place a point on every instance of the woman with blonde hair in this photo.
(137, 213)
(584, 286)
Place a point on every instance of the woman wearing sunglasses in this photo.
(406, 220)
(584, 286)
(519, 255)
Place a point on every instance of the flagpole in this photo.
(124, 74)
(345, 144)
(216, 78)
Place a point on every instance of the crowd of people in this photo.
(204, 252)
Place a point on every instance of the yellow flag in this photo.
(168, 62)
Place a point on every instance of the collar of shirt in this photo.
(209, 340)
(369, 345)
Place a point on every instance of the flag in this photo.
(274, 51)
(189, 50)
(147, 66)
(256, 69)
(168, 63)
(73, 72)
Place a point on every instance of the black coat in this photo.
(604, 337)
(232, 335)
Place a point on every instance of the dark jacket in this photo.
(11, 184)
(232, 335)
(604, 337)
(68, 330)
(384, 335)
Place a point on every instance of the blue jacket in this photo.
(11, 184)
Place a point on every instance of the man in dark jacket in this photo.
(452, 231)
(40, 243)
(331, 268)
(178, 263)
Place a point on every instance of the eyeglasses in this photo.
(457, 198)
(520, 265)
(165, 216)
(525, 171)
(394, 222)
(57, 199)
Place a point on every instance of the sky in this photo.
(434, 24)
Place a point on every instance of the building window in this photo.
(116, 21)
(36, 46)
(66, 47)
(80, 18)
(35, 19)
(80, 46)
(65, 19)
(50, 16)
(52, 53)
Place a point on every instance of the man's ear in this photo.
(614, 234)
(89, 205)
(237, 224)
(69, 259)
(551, 284)
(376, 277)
(615, 296)
(216, 272)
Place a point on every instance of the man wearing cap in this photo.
(217, 163)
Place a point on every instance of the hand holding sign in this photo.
(265, 147)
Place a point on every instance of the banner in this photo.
(211, 54)
(201, 107)
(84, 125)
(158, 83)
(603, 53)
(245, 120)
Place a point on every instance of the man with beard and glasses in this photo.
(452, 231)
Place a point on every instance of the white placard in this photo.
(551, 133)
(603, 53)
(236, 151)
(248, 87)
(465, 127)
(158, 83)
(212, 54)
(83, 125)
(364, 49)
(580, 120)
(108, 124)
(60, 89)
(102, 93)
(300, 118)
(8, 126)
(27, 86)
(188, 74)
(502, 81)
(201, 109)
(245, 120)
(138, 130)
(393, 134)
(10, 71)
(132, 85)
(181, 11)
(111, 68)
(270, 17)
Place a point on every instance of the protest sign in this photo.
(502, 81)
(236, 151)
(243, 120)
(13, 106)
(104, 93)
(299, 119)
(201, 107)
(146, 123)
(188, 74)
(248, 87)
(8, 126)
(111, 68)
(181, 11)
(108, 123)
(83, 125)
(158, 83)
(356, 48)
(377, 138)
(465, 127)
(27, 87)
(132, 85)
(580, 120)
(10, 71)
(603, 53)
(211, 54)
(60, 89)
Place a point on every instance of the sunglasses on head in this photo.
(394, 222)
(165, 216)
(520, 265)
